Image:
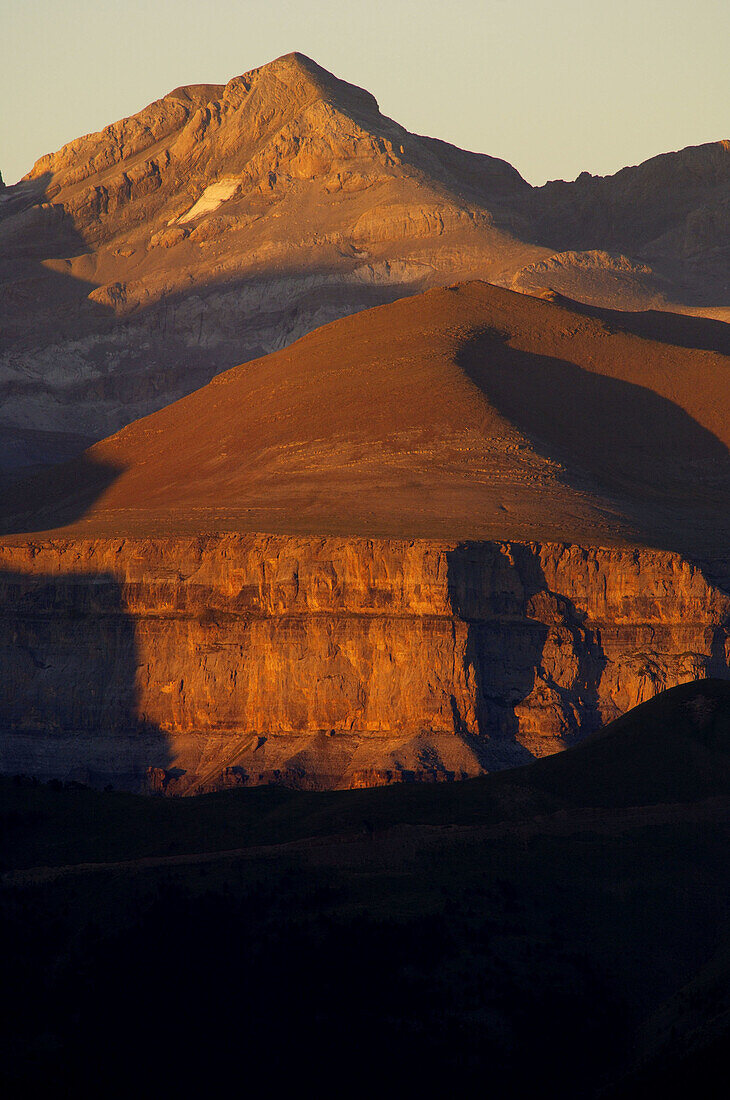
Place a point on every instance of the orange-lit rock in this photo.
(226, 660)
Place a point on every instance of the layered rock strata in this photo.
(185, 664)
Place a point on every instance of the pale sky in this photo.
(553, 86)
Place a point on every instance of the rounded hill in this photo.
(467, 412)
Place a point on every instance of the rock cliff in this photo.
(183, 664)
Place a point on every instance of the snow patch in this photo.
(211, 199)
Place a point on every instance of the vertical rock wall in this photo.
(196, 663)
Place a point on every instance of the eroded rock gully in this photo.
(188, 664)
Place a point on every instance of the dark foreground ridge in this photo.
(560, 926)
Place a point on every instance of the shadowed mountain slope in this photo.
(675, 748)
(673, 207)
(469, 412)
(672, 750)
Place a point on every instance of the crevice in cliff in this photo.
(534, 663)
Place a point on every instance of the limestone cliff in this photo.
(194, 663)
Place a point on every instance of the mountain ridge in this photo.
(222, 222)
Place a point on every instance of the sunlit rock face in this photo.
(191, 664)
(225, 221)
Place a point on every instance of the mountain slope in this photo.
(224, 221)
(672, 206)
(219, 223)
(651, 234)
(469, 412)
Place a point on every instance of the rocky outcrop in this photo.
(189, 664)
(660, 208)
(594, 276)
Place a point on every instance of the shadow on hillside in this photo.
(140, 357)
(55, 496)
(679, 329)
(41, 296)
(50, 318)
(613, 438)
(68, 665)
(515, 628)
(42, 303)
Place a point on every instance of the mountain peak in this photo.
(295, 59)
(297, 72)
